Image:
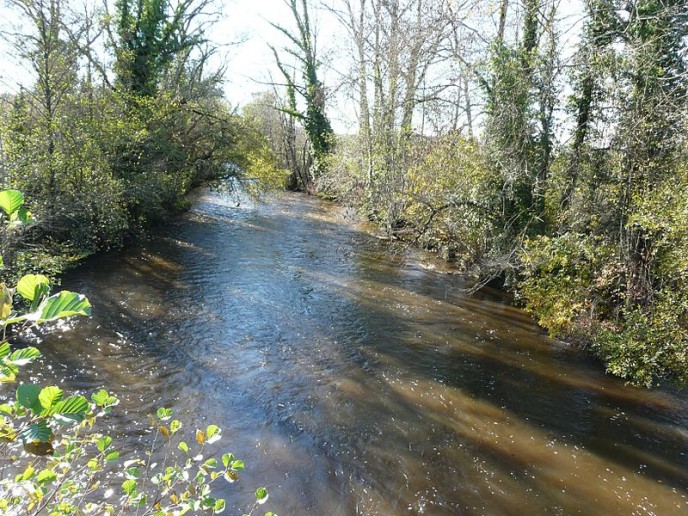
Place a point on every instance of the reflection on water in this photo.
(354, 380)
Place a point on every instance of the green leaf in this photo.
(24, 216)
(24, 356)
(59, 306)
(72, 410)
(33, 286)
(46, 475)
(238, 465)
(211, 463)
(261, 495)
(4, 350)
(220, 505)
(213, 433)
(27, 396)
(28, 473)
(39, 432)
(227, 458)
(103, 443)
(175, 426)
(129, 487)
(50, 396)
(208, 503)
(164, 413)
(5, 302)
(183, 447)
(112, 456)
(11, 201)
(132, 473)
(103, 399)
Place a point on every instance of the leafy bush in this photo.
(570, 283)
(650, 344)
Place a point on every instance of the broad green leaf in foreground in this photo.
(32, 286)
(27, 396)
(39, 432)
(59, 306)
(72, 410)
(11, 200)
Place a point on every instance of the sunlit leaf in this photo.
(104, 443)
(183, 447)
(28, 473)
(164, 413)
(220, 505)
(261, 495)
(237, 465)
(59, 306)
(132, 473)
(112, 456)
(49, 396)
(24, 356)
(129, 487)
(103, 399)
(11, 201)
(33, 286)
(46, 475)
(213, 433)
(5, 301)
(72, 410)
(4, 350)
(227, 458)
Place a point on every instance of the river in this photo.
(354, 379)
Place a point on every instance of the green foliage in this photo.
(150, 35)
(256, 158)
(650, 345)
(569, 282)
(448, 195)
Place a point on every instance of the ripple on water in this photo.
(354, 380)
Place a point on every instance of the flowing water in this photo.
(356, 380)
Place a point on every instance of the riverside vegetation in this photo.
(561, 177)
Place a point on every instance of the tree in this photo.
(148, 35)
(310, 89)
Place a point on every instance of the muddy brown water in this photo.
(352, 379)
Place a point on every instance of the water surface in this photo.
(353, 379)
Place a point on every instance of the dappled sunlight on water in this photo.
(355, 378)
